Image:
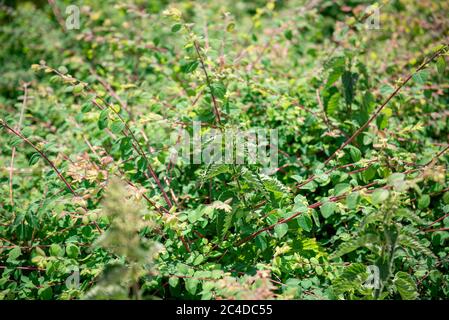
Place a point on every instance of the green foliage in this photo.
(93, 204)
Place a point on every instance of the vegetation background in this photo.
(93, 207)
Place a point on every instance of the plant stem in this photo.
(41, 154)
(382, 106)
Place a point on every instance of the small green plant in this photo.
(97, 203)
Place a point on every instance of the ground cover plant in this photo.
(95, 97)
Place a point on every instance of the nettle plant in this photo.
(356, 207)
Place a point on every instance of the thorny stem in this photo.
(138, 147)
(331, 199)
(382, 106)
(208, 82)
(4, 124)
(13, 153)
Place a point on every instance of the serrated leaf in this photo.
(216, 169)
(334, 76)
(349, 80)
(219, 90)
(34, 158)
(347, 247)
(189, 67)
(273, 185)
(334, 104)
(420, 77)
(410, 241)
(405, 286)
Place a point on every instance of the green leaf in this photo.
(352, 200)
(189, 67)
(355, 153)
(230, 27)
(126, 147)
(15, 141)
(26, 132)
(78, 88)
(198, 260)
(86, 107)
(142, 164)
(288, 34)
(183, 269)
(34, 158)
(341, 188)
(176, 27)
(56, 250)
(379, 196)
(350, 279)
(405, 286)
(334, 104)
(280, 230)
(319, 270)
(219, 90)
(195, 215)
(14, 254)
(346, 247)
(216, 169)
(441, 65)
(117, 126)
(412, 242)
(349, 80)
(420, 77)
(299, 207)
(72, 251)
(45, 293)
(334, 76)
(63, 69)
(173, 281)
(103, 119)
(446, 197)
(305, 222)
(328, 209)
(386, 89)
(424, 201)
(273, 185)
(191, 285)
(369, 174)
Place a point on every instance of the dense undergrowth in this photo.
(92, 205)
